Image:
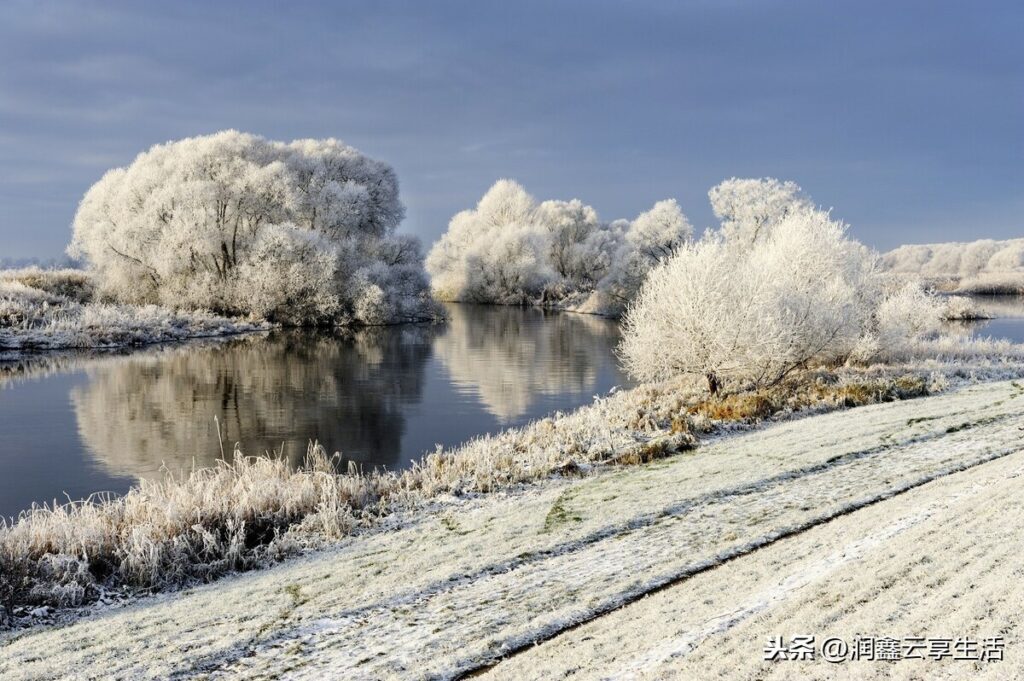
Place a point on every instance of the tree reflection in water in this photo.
(274, 394)
(380, 396)
(509, 356)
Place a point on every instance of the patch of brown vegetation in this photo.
(757, 405)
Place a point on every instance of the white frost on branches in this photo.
(300, 232)
(779, 288)
(907, 314)
(748, 208)
(512, 250)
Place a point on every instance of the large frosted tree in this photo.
(300, 232)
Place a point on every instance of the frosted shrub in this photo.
(962, 308)
(371, 305)
(511, 250)
(994, 283)
(732, 308)
(674, 326)
(238, 224)
(33, 319)
(779, 289)
(909, 314)
(656, 233)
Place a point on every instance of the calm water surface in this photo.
(1008, 317)
(74, 426)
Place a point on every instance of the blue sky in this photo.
(907, 118)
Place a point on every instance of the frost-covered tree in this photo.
(747, 208)
(300, 232)
(575, 251)
(493, 253)
(658, 232)
(752, 311)
(513, 269)
(642, 244)
(512, 250)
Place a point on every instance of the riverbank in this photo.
(992, 284)
(936, 563)
(47, 310)
(457, 588)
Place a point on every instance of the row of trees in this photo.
(511, 249)
(958, 259)
(302, 232)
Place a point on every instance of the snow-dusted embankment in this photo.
(451, 593)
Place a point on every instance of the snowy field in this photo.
(894, 519)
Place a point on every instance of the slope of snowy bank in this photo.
(458, 588)
(939, 562)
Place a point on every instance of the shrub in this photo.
(74, 285)
(993, 283)
(906, 316)
(732, 309)
(34, 319)
(962, 308)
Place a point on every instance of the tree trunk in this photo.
(227, 258)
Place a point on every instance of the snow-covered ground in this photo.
(939, 562)
(896, 519)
